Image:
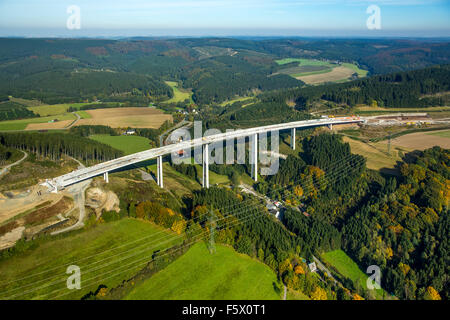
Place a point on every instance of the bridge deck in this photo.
(99, 169)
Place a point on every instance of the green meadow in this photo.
(22, 123)
(349, 269)
(106, 254)
(127, 144)
(179, 95)
(198, 274)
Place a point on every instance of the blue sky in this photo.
(224, 17)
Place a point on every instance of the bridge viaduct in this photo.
(104, 168)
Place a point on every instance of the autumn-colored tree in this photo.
(318, 294)
(431, 294)
(299, 270)
(178, 226)
(298, 190)
(404, 268)
(285, 266)
(357, 297)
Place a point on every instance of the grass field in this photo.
(223, 104)
(57, 109)
(23, 123)
(376, 154)
(106, 254)
(296, 295)
(445, 134)
(361, 73)
(127, 144)
(179, 95)
(83, 114)
(200, 275)
(50, 110)
(349, 269)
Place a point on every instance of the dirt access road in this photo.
(5, 169)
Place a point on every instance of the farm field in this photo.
(422, 140)
(335, 75)
(38, 123)
(349, 269)
(313, 71)
(57, 109)
(179, 95)
(106, 254)
(127, 144)
(198, 274)
(136, 117)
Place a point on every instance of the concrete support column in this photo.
(106, 177)
(254, 153)
(159, 175)
(205, 182)
(293, 138)
(330, 126)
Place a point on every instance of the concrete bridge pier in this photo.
(293, 138)
(254, 156)
(106, 177)
(205, 180)
(159, 175)
(330, 126)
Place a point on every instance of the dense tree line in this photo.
(400, 224)
(404, 228)
(222, 78)
(13, 111)
(54, 81)
(5, 154)
(54, 145)
(61, 70)
(396, 90)
(87, 130)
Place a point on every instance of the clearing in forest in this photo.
(179, 95)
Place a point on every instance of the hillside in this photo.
(199, 275)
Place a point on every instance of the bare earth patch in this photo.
(101, 200)
(19, 202)
(126, 117)
(338, 73)
(10, 238)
